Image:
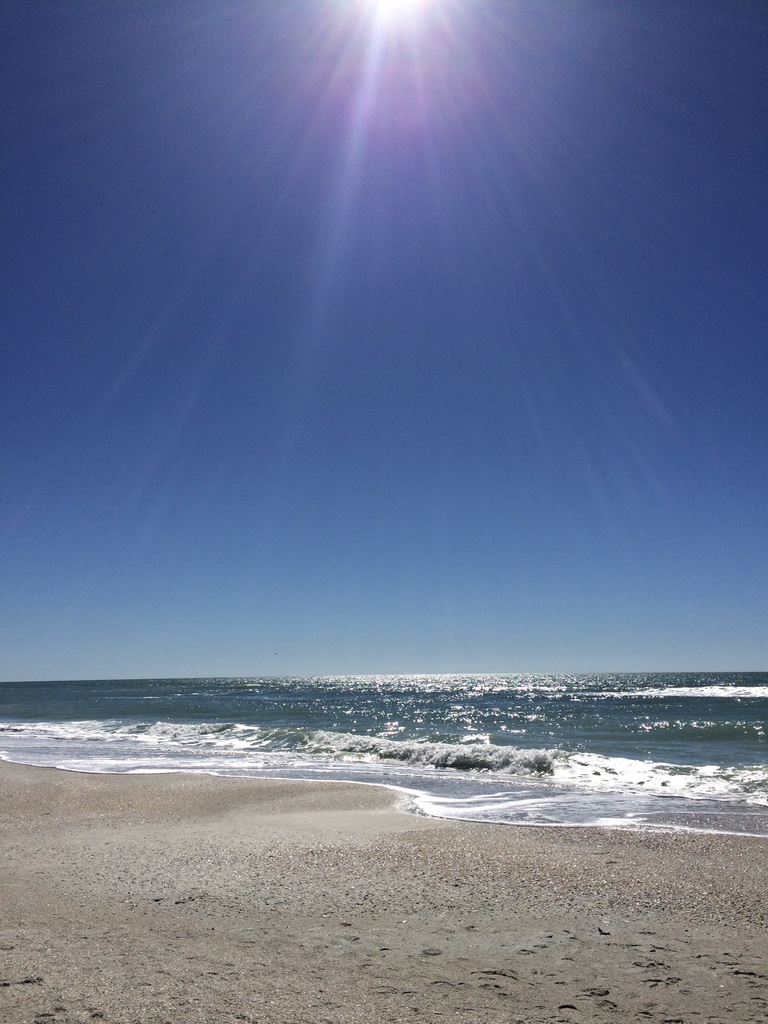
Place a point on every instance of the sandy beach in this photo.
(164, 899)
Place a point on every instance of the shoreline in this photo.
(700, 816)
(162, 898)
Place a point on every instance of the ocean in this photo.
(672, 751)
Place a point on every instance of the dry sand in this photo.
(169, 898)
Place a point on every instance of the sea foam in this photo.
(462, 756)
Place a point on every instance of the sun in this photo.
(397, 12)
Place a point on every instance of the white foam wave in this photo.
(227, 735)
(463, 756)
(732, 692)
(597, 773)
(234, 737)
(587, 772)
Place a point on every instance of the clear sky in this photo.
(352, 337)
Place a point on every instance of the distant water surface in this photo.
(649, 750)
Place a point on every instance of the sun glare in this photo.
(397, 12)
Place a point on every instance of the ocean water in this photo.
(682, 751)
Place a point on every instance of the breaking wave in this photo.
(463, 756)
(231, 737)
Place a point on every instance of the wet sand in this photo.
(169, 898)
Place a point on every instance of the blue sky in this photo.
(341, 339)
